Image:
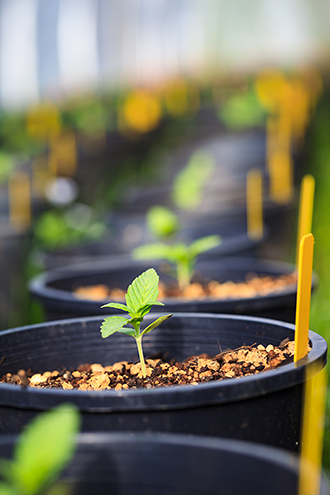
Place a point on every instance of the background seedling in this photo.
(140, 297)
(181, 255)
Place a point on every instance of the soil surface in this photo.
(244, 361)
(253, 286)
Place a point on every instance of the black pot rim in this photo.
(39, 285)
(253, 449)
(176, 396)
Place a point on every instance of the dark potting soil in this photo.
(253, 286)
(244, 361)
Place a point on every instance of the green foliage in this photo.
(140, 297)
(189, 184)
(64, 227)
(7, 165)
(242, 111)
(42, 451)
(179, 254)
(161, 221)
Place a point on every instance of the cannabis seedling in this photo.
(140, 297)
(42, 451)
(183, 256)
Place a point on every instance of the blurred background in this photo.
(111, 107)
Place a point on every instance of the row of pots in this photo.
(136, 464)
(182, 439)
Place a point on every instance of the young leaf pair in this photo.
(140, 297)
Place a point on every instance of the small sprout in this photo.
(189, 184)
(140, 297)
(179, 254)
(162, 222)
(43, 450)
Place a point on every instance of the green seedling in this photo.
(188, 187)
(43, 450)
(183, 256)
(162, 222)
(140, 297)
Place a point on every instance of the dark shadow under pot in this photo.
(139, 464)
(265, 407)
(54, 288)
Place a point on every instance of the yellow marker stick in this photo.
(280, 175)
(19, 196)
(254, 204)
(41, 175)
(305, 268)
(312, 431)
(305, 208)
(63, 154)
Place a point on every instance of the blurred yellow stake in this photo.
(306, 204)
(280, 175)
(305, 268)
(63, 154)
(312, 431)
(19, 197)
(254, 204)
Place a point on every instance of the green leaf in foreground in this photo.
(143, 290)
(140, 297)
(112, 325)
(42, 451)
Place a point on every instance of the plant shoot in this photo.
(140, 297)
(181, 255)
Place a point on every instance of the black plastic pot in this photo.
(139, 464)
(54, 288)
(265, 408)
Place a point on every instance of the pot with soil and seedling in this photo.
(114, 394)
(50, 456)
(228, 285)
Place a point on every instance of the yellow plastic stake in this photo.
(305, 208)
(280, 175)
(312, 431)
(63, 154)
(305, 268)
(41, 175)
(19, 197)
(254, 204)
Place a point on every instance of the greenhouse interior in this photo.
(164, 175)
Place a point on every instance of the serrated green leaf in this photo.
(43, 449)
(204, 244)
(143, 290)
(123, 307)
(156, 323)
(112, 324)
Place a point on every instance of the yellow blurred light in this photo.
(141, 111)
(19, 196)
(269, 85)
(63, 154)
(43, 121)
(179, 98)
